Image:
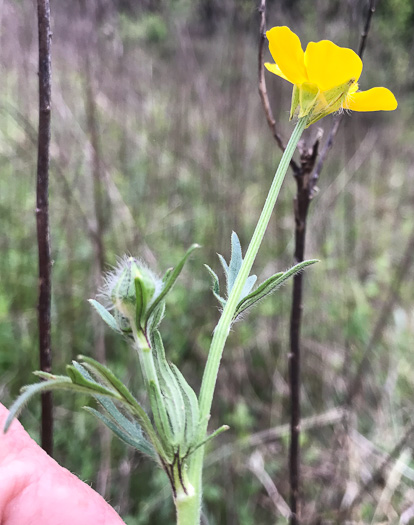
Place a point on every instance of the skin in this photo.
(35, 490)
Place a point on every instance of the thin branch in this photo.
(364, 34)
(42, 216)
(262, 85)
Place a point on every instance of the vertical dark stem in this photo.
(42, 216)
(301, 206)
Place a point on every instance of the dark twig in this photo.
(306, 176)
(301, 206)
(42, 216)
(262, 85)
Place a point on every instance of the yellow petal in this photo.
(329, 65)
(287, 52)
(375, 99)
(274, 68)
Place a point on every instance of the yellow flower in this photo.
(324, 77)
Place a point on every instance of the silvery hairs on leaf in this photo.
(248, 298)
(231, 272)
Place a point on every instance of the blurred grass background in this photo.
(159, 140)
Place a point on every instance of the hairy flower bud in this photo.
(130, 288)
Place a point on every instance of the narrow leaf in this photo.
(130, 402)
(216, 286)
(161, 420)
(236, 261)
(269, 286)
(190, 406)
(223, 264)
(216, 433)
(105, 315)
(247, 288)
(78, 379)
(170, 389)
(155, 318)
(110, 377)
(132, 429)
(29, 391)
(140, 444)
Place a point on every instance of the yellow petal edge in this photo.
(375, 99)
(287, 52)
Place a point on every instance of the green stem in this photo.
(223, 328)
(187, 502)
(146, 358)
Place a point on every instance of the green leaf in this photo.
(105, 315)
(156, 317)
(169, 281)
(247, 288)
(161, 420)
(236, 261)
(61, 383)
(216, 433)
(78, 379)
(170, 389)
(216, 286)
(108, 375)
(130, 428)
(269, 286)
(232, 270)
(130, 402)
(191, 408)
(140, 444)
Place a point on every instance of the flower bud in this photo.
(131, 288)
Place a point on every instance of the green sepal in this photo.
(269, 286)
(105, 315)
(168, 282)
(139, 305)
(308, 95)
(295, 102)
(144, 291)
(330, 101)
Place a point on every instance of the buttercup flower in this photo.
(324, 77)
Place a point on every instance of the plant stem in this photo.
(146, 358)
(187, 508)
(42, 217)
(223, 328)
